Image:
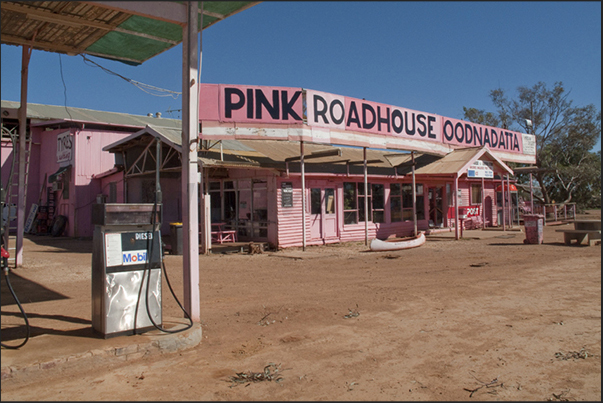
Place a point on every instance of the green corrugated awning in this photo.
(130, 32)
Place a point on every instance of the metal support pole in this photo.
(365, 198)
(190, 138)
(510, 207)
(456, 208)
(504, 218)
(25, 56)
(158, 195)
(483, 204)
(303, 189)
(531, 196)
(414, 195)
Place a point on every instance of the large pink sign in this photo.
(246, 103)
(239, 110)
(463, 133)
(327, 110)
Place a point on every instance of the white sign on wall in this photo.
(481, 169)
(529, 144)
(64, 147)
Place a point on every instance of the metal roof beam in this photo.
(317, 154)
(168, 11)
(73, 21)
(48, 16)
(212, 14)
(52, 47)
(367, 161)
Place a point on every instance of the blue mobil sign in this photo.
(127, 251)
(134, 257)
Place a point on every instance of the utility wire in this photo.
(149, 89)
(64, 86)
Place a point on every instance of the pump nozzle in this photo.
(5, 256)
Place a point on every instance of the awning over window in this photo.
(53, 178)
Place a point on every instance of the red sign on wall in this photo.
(470, 211)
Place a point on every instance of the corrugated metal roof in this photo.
(278, 151)
(457, 161)
(40, 113)
(170, 136)
(130, 32)
(274, 153)
(265, 153)
(450, 163)
(401, 158)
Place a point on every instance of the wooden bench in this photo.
(579, 235)
(221, 235)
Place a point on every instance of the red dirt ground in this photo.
(495, 316)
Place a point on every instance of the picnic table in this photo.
(220, 235)
(584, 230)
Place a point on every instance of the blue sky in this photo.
(433, 57)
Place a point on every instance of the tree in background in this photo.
(569, 171)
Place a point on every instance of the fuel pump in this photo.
(123, 266)
(127, 263)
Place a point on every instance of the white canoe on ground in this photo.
(378, 245)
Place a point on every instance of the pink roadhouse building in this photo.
(285, 166)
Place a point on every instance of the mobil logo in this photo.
(134, 257)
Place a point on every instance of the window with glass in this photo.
(215, 200)
(329, 201)
(476, 194)
(260, 208)
(230, 202)
(315, 201)
(407, 202)
(378, 202)
(350, 203)
(420, 202)
(361, 211)
(395, 202)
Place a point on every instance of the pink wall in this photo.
(33, 190)
(289, 218)
(87, 159)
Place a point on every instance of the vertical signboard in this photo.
(64, 147)
(286, 194)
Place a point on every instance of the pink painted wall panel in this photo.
(290, 218)
(87, 159)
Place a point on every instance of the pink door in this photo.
(323, 217)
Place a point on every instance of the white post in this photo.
(25, 56)
(484, 204)
(303, 190)
(414, 194)
(190, 139)
(457, 235)
(510, 207)
(531, 196)
(366, 213)
(504, 208)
